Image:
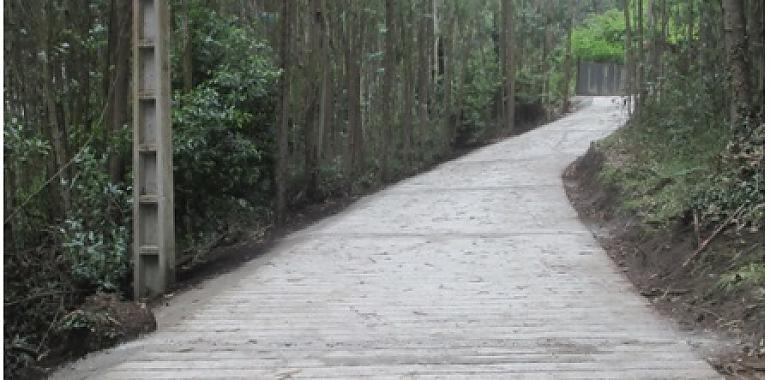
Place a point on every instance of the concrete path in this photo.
(477, 269)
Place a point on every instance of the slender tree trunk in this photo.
(509, 69)
(460, 101)
(314, 118)
(690, 30)
(56, 131)
(79, 66)
(547, 6)
(641, 87)
(324, 105)
(187, 51)
(281, 162)
(118, 86)
(353, 68)
(663, 44)
(630, 62)
(449, 114)
(408, 89)
(334, 41)
(387, 95)
(568, 64)
(652, 58)
(423, 63)
(756, 50)
(736, 49)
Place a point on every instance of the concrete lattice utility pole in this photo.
(153, 245)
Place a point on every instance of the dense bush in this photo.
(95, 236)
(223, 139)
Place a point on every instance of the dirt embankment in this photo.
(654, 257)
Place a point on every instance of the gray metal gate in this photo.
(600, 79)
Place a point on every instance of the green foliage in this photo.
(660, 162)
(19, 146)
(483, 88)
(749, 275)
(739, 185)
(681, 161)
(95, 236)
(332, 178)
(223, 134)
(22, 149)
(601, 38)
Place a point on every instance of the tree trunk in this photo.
(547, 9)
(756, 50)
(509, 70)
(56, 131)
(423, 63)
(281, 162)
(448, 77)
(736, 49)
(353, 68)
(639, 104)
(324, 105)
(187, 51)
(568, 60)
(314, 100)
(460, 101)
(118, 86)
(79, 66)
(629, 50)
(387, 92)
(408, 89)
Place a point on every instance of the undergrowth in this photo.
(673, 169)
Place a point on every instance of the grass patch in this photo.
(657, 168)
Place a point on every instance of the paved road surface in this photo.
(477, 269)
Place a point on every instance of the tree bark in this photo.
(408, 86)
(281, 162)
(460, 100)
(314, 100)
(187, 51)
(387, 92)
(629, 50)
(568, 60)
(56, 129)
(547, 7)
(353, 68)
(639, 104)
(118, 82)
(509, 70)
(424, 72)
(325, 104)
(448, 76)
(736, 49)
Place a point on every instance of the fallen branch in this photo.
(43, 295)
(716, 232)
(696, 227)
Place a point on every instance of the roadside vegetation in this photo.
(369, 92)
(682, 185)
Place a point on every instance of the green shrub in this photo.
(223, 136)
(601, 38)
(95, 237)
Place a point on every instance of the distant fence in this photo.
(600, 79)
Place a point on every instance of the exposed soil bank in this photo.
(653, 259)
(476, 257)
